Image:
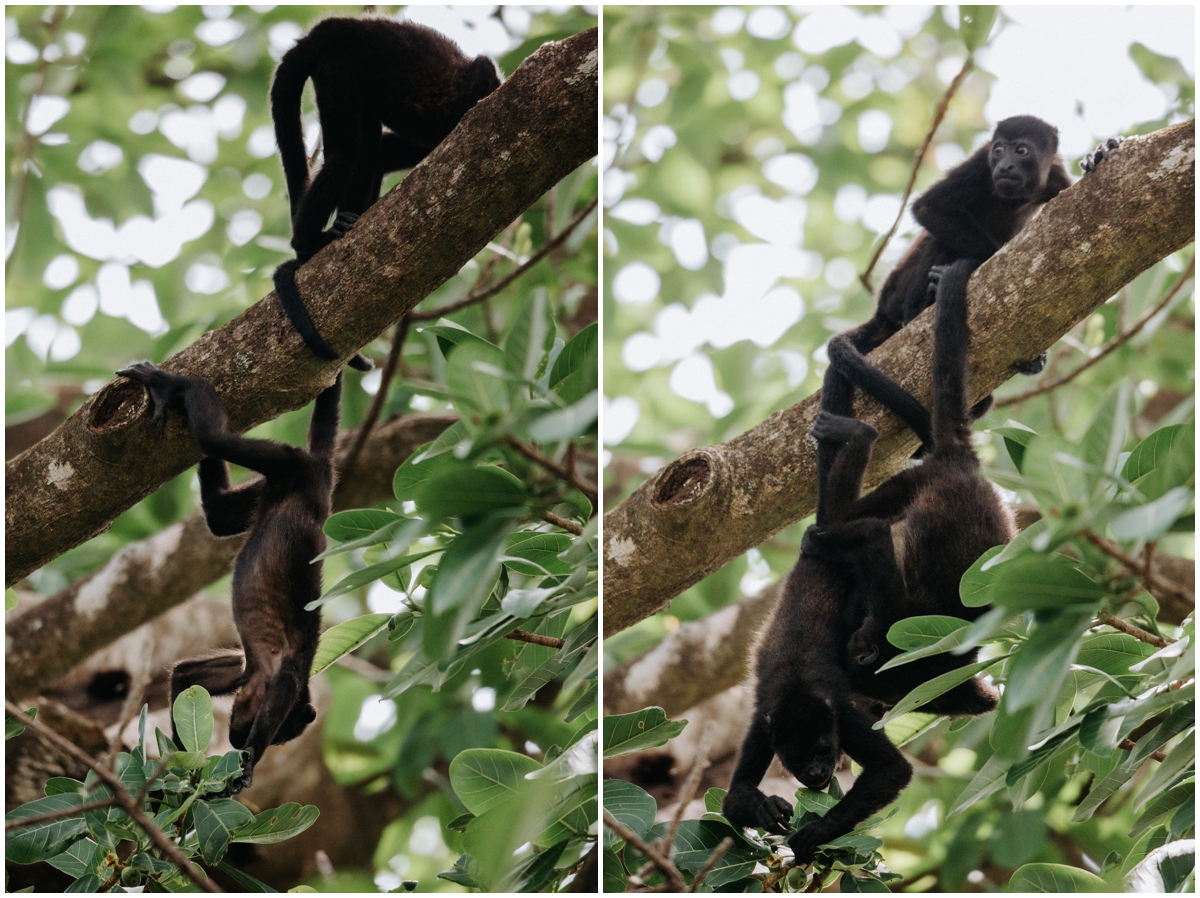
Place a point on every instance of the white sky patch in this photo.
(636, 283)
(693, 379)
(44, 111)
(652, 92)
(620, 417)
(382, 599)
(794, 172)
(685, 237)
(376, 716)
(100, 156)
(657, 141)
(483, 699)
(61, 272)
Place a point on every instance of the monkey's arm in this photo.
(745, 804)
(884, 775)
(227, 511)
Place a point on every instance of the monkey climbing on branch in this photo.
(273, 576)
(368, 74)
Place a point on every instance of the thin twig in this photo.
(817, 882)
(1152, 580)
(692, 783)
(584, 486)
(1128, 745)
(570, 526)
(1136, 632)
(768, 882)
(550, 642)
(122, 797)
(475, 297)
(60, 813)
(1047, 385)
(939, 114)
(674, 877)
(385, 381)
(718, 853)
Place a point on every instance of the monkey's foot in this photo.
(342, 223)
(1033, 366)
(814, 541)
(1102, 152)
(981, 408)
(165, 389)
(839, 429)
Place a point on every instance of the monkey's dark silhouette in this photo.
(368, 74)
(273, 575)
(819, 695)
(978, 207)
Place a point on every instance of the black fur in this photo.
(273, 576)
(968, 215)
(368, 74)
(817, 686)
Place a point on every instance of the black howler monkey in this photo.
(273, 576)
(368, 74)
(817, 693)
(978, 207)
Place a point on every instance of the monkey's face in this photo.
(805, 739)
(1019, 168)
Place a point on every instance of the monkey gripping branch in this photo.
(507, 151)
(713, 503)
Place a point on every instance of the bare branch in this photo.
(657, 858)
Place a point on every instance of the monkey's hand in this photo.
(749, 807)
(1033, 366)
(838, 429)
(815, 542)
(165, 389)
(247, 777)
(1102, 152)
(810, 837)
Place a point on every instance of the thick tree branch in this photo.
(507, 151)
(713, 503)
(149, 577)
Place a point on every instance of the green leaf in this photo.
(1153, 519)
(931, 689)
(574, 374)
(278, 824)
(79, 859)
(1162, 461)
(62, 785)
(1113, 653)
(215, 823)
(614, 872)
(566, 423)
(484, 777)
(695, 842)
(851, 883)
(923, 631)
(531, 335)
(1102, 442)
(245, 880)
(471, 372)
(418, 468)
(989, 780)
(345, 637)
(975, 588)
(630, 805)
(42, 841)
(469, 492)
(1043, 661)
(193, 713)
(468, 572)
(13, 727)
(1055, 878)
(647, 728)
(1164, 806)
(541, 551)
(1018, 837)
(348, 526)
(1044, 581)
(974, 25)
(1016, 438)
(1055, 473)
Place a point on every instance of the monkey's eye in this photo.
(1021, 151)
(998, 151)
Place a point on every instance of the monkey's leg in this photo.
(341, 113)
(837, 392)
(745, 804)
(219, 672)
(396, 153)
(849, 361)
(227, 511)
(951, 340)
(363, 188)
(884, 775)
(971, 699)
(849, 442)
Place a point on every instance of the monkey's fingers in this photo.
(342, 223)
(775, 815)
